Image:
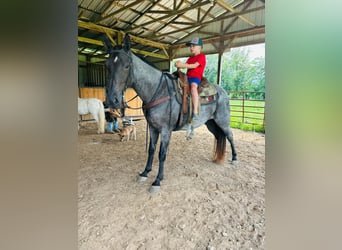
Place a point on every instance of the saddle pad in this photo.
(208, 91)
(207, 99)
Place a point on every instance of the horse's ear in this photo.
(107, 44)
(127, 42)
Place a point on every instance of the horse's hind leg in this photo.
(231, 141)
(96, 117)
(221, 132)
(154, 134)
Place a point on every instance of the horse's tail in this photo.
(220, 149)
(101, 117)
(220, 142)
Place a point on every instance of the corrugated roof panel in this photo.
(160, 23)
(98, 6)
(164, 4)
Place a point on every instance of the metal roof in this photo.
(160, 28)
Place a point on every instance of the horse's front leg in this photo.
(164, 144)
(154, 135)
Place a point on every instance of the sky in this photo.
(256, 50)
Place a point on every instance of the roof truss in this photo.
(159, 27)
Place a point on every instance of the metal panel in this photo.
(175, 22)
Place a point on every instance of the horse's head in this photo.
(119, 68)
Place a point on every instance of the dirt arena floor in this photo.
(201, 205)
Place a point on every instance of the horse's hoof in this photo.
(190, 135)
(235, 163)
(154, 189)
(189, 132)
(141, 179)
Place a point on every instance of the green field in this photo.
(247, 114)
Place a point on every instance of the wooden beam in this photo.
(178, 12)
(111, 38)
(235, 19)
(231, 9)
(142, 52)
(151, 54)
(118, 11)
(102, 29)
(133, 21)
(222, 17)
(248, 32)
(95, 27)
(88, 40)
(261, 40)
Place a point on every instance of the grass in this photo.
(247, 115)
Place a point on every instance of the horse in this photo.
(95, 107)
(161, 107)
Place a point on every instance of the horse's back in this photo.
(82, 106)
(89, 105)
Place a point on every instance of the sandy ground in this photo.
(201, 205)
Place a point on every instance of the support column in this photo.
(219, 68)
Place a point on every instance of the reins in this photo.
(154, 102)
(129, 107)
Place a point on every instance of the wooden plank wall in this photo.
(135, 103)
(98, 93)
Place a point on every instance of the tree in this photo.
(210, 71)
(235, 64)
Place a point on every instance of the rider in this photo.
(195, 66)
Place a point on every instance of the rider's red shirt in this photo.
(198, 71)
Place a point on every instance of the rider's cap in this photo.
(195, 41)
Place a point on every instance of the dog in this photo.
(128, 132)
(115, 112)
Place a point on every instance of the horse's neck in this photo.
(146, 79)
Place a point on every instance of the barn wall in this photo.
(98, 93)
(91, 72)
(135, 103)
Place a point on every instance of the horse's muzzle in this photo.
(113, 103)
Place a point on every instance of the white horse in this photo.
(95, 107)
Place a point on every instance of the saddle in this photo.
(207, 93)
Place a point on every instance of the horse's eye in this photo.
(126, 67)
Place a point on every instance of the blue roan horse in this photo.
(160, 105)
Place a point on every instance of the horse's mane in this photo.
(146, 61)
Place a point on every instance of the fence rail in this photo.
(247, 107)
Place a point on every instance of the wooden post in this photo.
(243, 107)
(219, 68)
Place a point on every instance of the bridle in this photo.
(130, 80)
(131, 72)
(130, 76)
